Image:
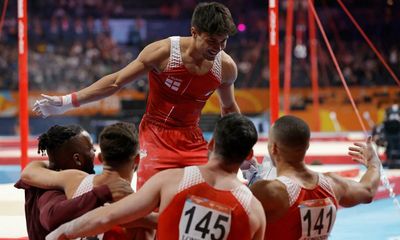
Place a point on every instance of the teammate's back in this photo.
(300, 203)
(201, 210)
(206, 202)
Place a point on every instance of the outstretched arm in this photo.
(350, 193)
(110, 84)
(55, 209)
(37, 174)
(134, 206)
(150, 58)
(150, 222)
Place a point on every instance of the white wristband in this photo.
(66, 100)
(52, 107)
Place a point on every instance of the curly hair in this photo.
(56, 136)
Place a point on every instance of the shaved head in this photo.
(290, 132)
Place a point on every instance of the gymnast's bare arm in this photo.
(350, 193)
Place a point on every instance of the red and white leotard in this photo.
(199, 211)
(311, 214)
(169, 133)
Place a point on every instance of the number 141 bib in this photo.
(317, 218)
(204, 219)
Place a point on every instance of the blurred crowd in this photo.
(71, 45)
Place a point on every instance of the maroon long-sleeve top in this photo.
(45, 210)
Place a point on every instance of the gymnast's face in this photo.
(76, 153)
(209, 45)
(85, 150)
(272, 145)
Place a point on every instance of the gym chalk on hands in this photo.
(52, 105)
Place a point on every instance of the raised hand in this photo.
(364, 153)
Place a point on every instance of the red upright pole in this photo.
(23, 79)
(314, 66)
(288, 57)
(335, 62)
(274, 60)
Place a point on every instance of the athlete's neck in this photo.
(298, 171)
(216, 164)
(194, 55)
(290, 168)
(124, 173)
(220, 175)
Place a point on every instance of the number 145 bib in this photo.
(204, 219)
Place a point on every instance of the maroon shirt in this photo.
(45, 210)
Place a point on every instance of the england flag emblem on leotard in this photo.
(173, 83)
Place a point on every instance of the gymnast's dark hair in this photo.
(234, 136)
(118, 143)
(213, 18)
(56, 136)
(292, 132)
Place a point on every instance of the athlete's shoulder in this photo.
(229, 68)
(173, 171)
(255, 205)
(227, 61)
(169, 176)
(166, 182)
(337, 183)
(268, 186)
(334, 179)
(156, 51)
(269, 191)
(71, 175)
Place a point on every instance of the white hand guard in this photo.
(53, 105)
(253, 172)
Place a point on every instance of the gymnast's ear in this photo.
(100, 157)
(250, 156)
(194, 32)
(211, 145)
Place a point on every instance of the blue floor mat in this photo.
(375, 221)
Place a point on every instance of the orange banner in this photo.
(250, 101)
(373, 101)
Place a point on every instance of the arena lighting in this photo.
(300, 51)
(241, 27)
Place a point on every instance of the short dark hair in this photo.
(213, 18)
(118, 143)
(56, 136)
(234, 136)
(291, 131)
